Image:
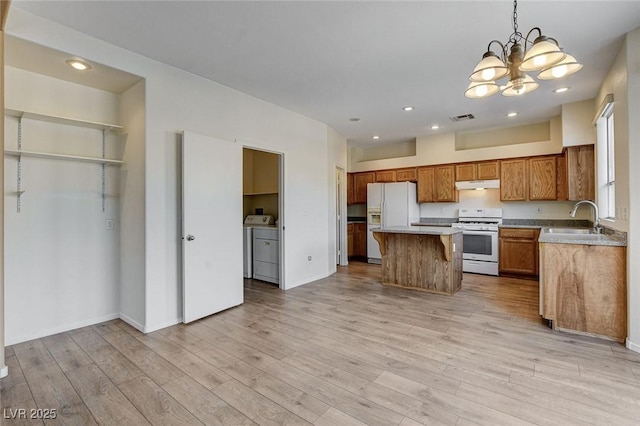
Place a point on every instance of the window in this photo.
(606, 161)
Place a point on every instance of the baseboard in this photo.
(4, 372)
(633, 346)
(132, 322)
(160, 326)
(61, 329)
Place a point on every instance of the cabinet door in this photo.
(360, 239)
(350, 240)
(350, 189)
(513, 180)
(385, 176)
(488, 170)
(580, 172)
(562, 188)
(543, 180)
(518, 251)
(445, 184)
(426, 185)
(407, 175)
(466, 172)
(360, 181)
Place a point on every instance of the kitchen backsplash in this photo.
(490, 198)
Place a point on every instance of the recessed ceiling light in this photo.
(512, 114)
(407, 108)
(560, 90)
(77, 64)
(376, 137)
(354, 119)
(435, 127)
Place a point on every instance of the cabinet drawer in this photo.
(265, 271)
(265, 250)
(524, 234)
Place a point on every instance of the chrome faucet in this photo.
(596, 222)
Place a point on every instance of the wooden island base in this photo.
(428, 260)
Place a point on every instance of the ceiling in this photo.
(338, 60)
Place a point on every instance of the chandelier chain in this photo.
(516, 36)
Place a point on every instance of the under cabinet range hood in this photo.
(478, 184)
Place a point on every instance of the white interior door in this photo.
(211, 225)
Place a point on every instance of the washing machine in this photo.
(250, 222)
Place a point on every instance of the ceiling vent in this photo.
(463, 117)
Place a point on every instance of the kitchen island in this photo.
(426, 258)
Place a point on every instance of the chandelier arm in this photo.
(526, 40)
(503, 49)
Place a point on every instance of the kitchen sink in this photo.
(572, 231)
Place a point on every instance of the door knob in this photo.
(190, 238)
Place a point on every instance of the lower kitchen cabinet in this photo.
(583, 289)
(357, 239)
(266, 255)
(518, 251)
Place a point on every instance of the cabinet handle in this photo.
(266, 243)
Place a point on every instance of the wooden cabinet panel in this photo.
(385, 176)
(488, 170)
(562, 188)
(360, 239)
(580, 172)
(407, 175)
(518, 251)
(584, 288)
(350, 189)
(360, 181)
(513, 180)
(426, 185)
(467, 171)
(543, 180)
(445, 184)
(350, 241)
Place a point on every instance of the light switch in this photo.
(108, 224)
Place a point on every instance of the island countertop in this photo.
(421, 230)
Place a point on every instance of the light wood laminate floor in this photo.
(340, 351)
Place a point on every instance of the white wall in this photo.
(132, 214)
(61, 264)
(441, 149)
(490, 198)
(577, 128)
(175, 101)
(336, 157)
(623, 81)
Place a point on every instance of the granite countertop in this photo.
(421, 230)
(608, 238)
(540, 223)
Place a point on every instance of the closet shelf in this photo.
(18, 153)
(261, 193)
(64, 120)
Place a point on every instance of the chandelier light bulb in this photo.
(488, 74)
(540, 61)
(481, 91)
(559, 71)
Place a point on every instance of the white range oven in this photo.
(479, 239)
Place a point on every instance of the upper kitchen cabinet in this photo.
(360, 181)
(580, 172)
(466, 171)
(350, 189)
(485, 170)
(426, 185)
(543, 178)
(407, 175)
(488, 170)
(513, 180)
(384, 176)
(437, 184)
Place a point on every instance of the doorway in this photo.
(262, 194)
(341, 218)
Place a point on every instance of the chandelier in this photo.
(544, 56)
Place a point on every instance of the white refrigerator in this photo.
(389, 204)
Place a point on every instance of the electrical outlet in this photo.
(539, 210)
(108, 224)
(309, 258)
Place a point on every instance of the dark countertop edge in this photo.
(419, 230)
